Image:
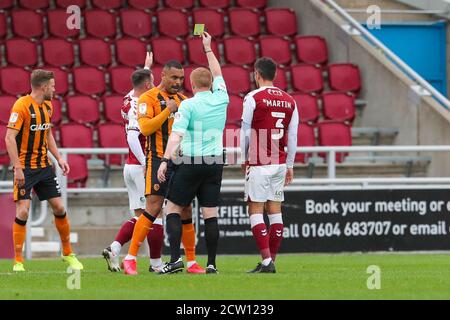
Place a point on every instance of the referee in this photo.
(198, 127)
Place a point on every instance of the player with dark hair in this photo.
(156, 109)
(269, 124)
(134, 175)
(28, 139)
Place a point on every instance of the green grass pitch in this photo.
(318, 276)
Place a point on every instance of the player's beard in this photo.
(48, 96)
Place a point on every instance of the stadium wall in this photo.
(390, 100)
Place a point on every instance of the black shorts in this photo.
(201, 180)
(152, 184)
(42, 181)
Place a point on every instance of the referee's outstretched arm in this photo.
(214, 65)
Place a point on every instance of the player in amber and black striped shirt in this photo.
(28, 139)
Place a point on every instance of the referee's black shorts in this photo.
(196, 180)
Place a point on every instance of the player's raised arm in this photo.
(214, 65)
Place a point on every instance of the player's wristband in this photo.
(146, 68)
(208, 51)
(165, 160)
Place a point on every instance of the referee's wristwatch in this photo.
(165, 160)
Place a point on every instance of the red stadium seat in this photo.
(5, 4)
(4, 158)
(130, 52)
(166, 49)
(100, 24)
(78, 174)
(305, 138)
(237, 79)
(57, 112)
(179, 4)
(276, 48)
(254, 4)
(339, 106)
(187, 79)
(335, 134)
(239, 50)
(281, 22)
(112, 136)
(61, 80)
(83, 110)
(58, 52)
(156, 71)
(308, 107)
(281, 79)
(6, 104)
(121, 79)
(95, 52)
(212, 19)
(34, 4)
(112, 106)
(136, 23)
(21, 52)
(89, 81)
(234, 111)
(15, 81)
(344, 77)
(178, 26)
(215, 4)
(76, 136)
(196, 51)
(143, 4)
(3, 27)
(27, 24)
(66, 3)
(244, 22)
(307, 78)
(312, 50)
(107, 4)
(57, 24)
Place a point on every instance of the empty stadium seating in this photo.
(21, 52)
(112, 106)
(143, 4)
(333, 134)
(305, 138)
(4, 158)
(255, 4)
(5, 4)
(244, 22)
(179, 4)
(6, 104)
(89, 81)
(83, 110)
(121, 79)
(67, 3)
(281, 79)
(281, 22)
(344, 77)
(234, 111)
(237, 79)
(277, 48)
(136, 23)
(57, 24)
(57, 112)
(79, 173)
(34, 4)
(130, 52)
(338, 106)
(307, 78)
(312, 50)
(308, 107)
(58, 52)
(173, 23)
(61, 80)
(14, 81)
(196, 52)
(95, 52)
(107, 4)
(27, 24)
(3, 27)
(100, 24)
(239, 50)
(112, 136)
(165, 49)
(215, 4)
(76, 136)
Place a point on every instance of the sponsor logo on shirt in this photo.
(276, 93)
(143, 109)
(40, 127)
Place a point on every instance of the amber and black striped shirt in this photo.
(152, 106)
(33, 121)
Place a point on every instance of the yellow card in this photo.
(199, 29)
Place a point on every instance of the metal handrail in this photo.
(400, 63)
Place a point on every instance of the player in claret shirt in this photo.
(269, 125)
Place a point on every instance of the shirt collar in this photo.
(203, 93)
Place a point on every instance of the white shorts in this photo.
(135, 183)
(265, 183)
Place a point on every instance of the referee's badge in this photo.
(143, 108)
